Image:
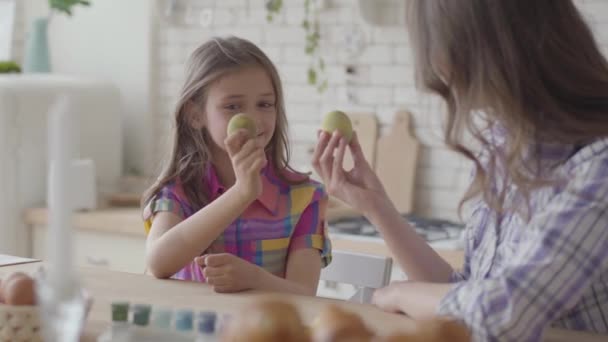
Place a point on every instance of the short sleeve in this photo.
(168, 199)
(310, 230)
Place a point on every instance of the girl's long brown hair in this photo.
(190, 153)
(532, 67)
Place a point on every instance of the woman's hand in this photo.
(359, 187)
(387, 298)
(418, 300)
(228, 273)
(248, 159)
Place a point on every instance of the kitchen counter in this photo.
(127, 222)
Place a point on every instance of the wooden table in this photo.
(108, 286)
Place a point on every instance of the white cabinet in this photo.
(24, 103)
(95, 249)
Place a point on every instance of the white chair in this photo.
(364, 271)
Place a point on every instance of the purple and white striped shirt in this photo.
(520, 277)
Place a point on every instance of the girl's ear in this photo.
(195, 115)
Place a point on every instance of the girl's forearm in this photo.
(267, 281)
(189, 238)
(417, 259)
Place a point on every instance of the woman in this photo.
(527, 80)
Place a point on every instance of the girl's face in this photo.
(247, 90)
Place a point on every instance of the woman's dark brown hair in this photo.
(533, 68)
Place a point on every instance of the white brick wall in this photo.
(18, 33)
(384, 83)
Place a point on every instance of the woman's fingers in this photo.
(318, 152)
(337, 170)
(356, 151)
(327, 158)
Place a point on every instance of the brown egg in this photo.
(335, 325)
(18, 289)
(269, 320)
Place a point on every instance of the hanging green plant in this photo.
(316, 69)
(65, 6)
(310, 24)
(273, 7)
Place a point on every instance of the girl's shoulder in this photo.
(173, 190)
(169, 197)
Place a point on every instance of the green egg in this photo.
(242, 121)
(338, 120)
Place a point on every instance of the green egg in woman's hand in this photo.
(242, 121)
(339, 121)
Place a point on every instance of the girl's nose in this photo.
(258, 123)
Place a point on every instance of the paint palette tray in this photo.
(141, 322)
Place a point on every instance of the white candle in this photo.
(59, 239)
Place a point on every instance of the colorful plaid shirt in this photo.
(521, 276)
(283, 219)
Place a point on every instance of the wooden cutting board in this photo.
(396, 158)
(366, 126)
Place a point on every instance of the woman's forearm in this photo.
(413, 254)
(180, 244)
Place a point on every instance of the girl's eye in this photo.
(231, 107)
(266, 104)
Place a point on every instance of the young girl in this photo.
(527, 80)
(229, 210)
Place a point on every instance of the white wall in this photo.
(18, 33)
(124, 49)
(111, 40)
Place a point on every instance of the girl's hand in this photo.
(228, 273)
(359, 187)
(248, 159)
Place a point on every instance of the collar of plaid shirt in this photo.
(270, 191)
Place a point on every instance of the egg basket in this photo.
(19, 323)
